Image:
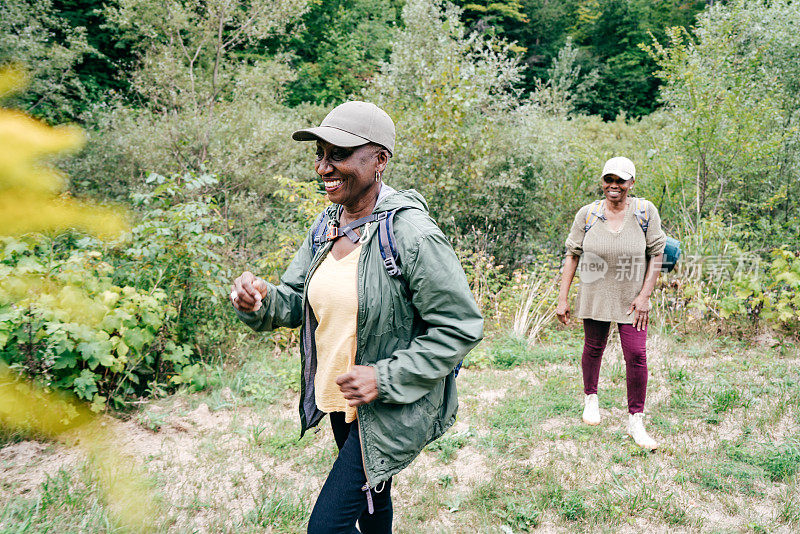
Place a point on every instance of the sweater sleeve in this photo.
(655, 236)
(574, 241)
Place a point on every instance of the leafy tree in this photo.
(204, 96)
(611, 31)
(546, 31)
(343, 44)
(105, 69)
(487, 15)
(452, 96)
(606, 33)
(32, 34)
(732, 92)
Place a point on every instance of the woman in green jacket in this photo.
(379, 346)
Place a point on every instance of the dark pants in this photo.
(633, 348)
(342, 499)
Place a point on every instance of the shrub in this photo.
(175, 249)
(81, 332)
(110, 323)
(731, 89)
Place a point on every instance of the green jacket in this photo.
(413, 330)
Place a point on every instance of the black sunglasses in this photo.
(611, 180)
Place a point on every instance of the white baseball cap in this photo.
(619, 166)
(353, 123)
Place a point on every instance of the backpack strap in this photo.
(640, 211)
(324, 230)
(334, 232)
(593, 215)
(318, 232)
(320, 236)
(386, 244)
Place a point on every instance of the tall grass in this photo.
(538, 305)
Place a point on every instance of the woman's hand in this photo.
(360, 385)
(248, 290)
(562, 311)
(641, 307)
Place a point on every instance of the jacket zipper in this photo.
(359, 277)
(311, 271)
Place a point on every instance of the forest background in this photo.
(505, 112)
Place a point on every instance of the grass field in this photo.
(726, 412)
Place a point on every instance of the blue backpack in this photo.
(672, 249)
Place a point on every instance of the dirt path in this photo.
(518, 458)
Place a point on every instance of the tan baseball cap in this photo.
(619, 166)
(353, 123)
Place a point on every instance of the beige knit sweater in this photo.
(613, 264)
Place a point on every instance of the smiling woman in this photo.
(618, 244)
(379, 351)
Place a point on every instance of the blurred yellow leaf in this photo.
(23, 211)
(30, 201)
(13, 79)
(29, 187)
(56, 416)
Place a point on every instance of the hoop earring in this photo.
(377, 176)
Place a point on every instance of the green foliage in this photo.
(572, 507)
(490, 13)
(732, 93)
(775, 298)
(452, 93)
(114, 324)
(205, 100)
(303, 202)
(617, 75)
(726, 400)
(104, 72)
(721, 284)
(194, 54)
(609, 32)
(106, 343)
(175, 249)
(34, 35)
(341, 47)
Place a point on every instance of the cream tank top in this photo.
(333, 295)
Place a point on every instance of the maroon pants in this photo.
(633, 348)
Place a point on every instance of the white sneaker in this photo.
(638, 433)
(591, 410)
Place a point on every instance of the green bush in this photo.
(773, 297)
(110, 323)
(75, 329)
(176, 248)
